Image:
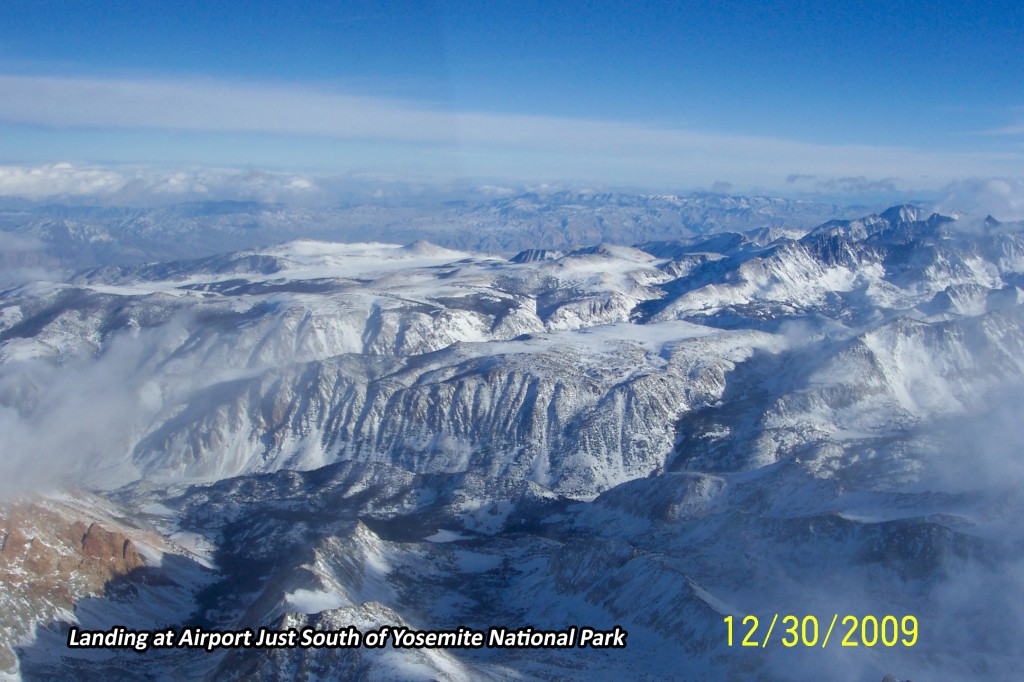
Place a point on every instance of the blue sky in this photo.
(774, 96)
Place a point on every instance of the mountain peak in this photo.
(904, 213)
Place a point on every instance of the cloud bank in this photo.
(483, 144)
(143, 185)
(1001, 197)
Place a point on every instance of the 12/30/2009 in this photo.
(868, 631)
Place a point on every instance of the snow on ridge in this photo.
(311, 251)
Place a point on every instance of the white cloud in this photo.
(59, 179)
(1003, 198)
(522, 147)
(146, 185)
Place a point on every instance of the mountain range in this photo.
(747, 406)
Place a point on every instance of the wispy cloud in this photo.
(486, 144)
(1013, 126)
(206, 105)
(846, 184)
(15, 243)
(1017, 129)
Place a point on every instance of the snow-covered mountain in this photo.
(652, 436)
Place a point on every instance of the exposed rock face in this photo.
(104, 548)
(56, 551)
(50, 558)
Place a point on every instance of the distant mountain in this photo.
(88, 236)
